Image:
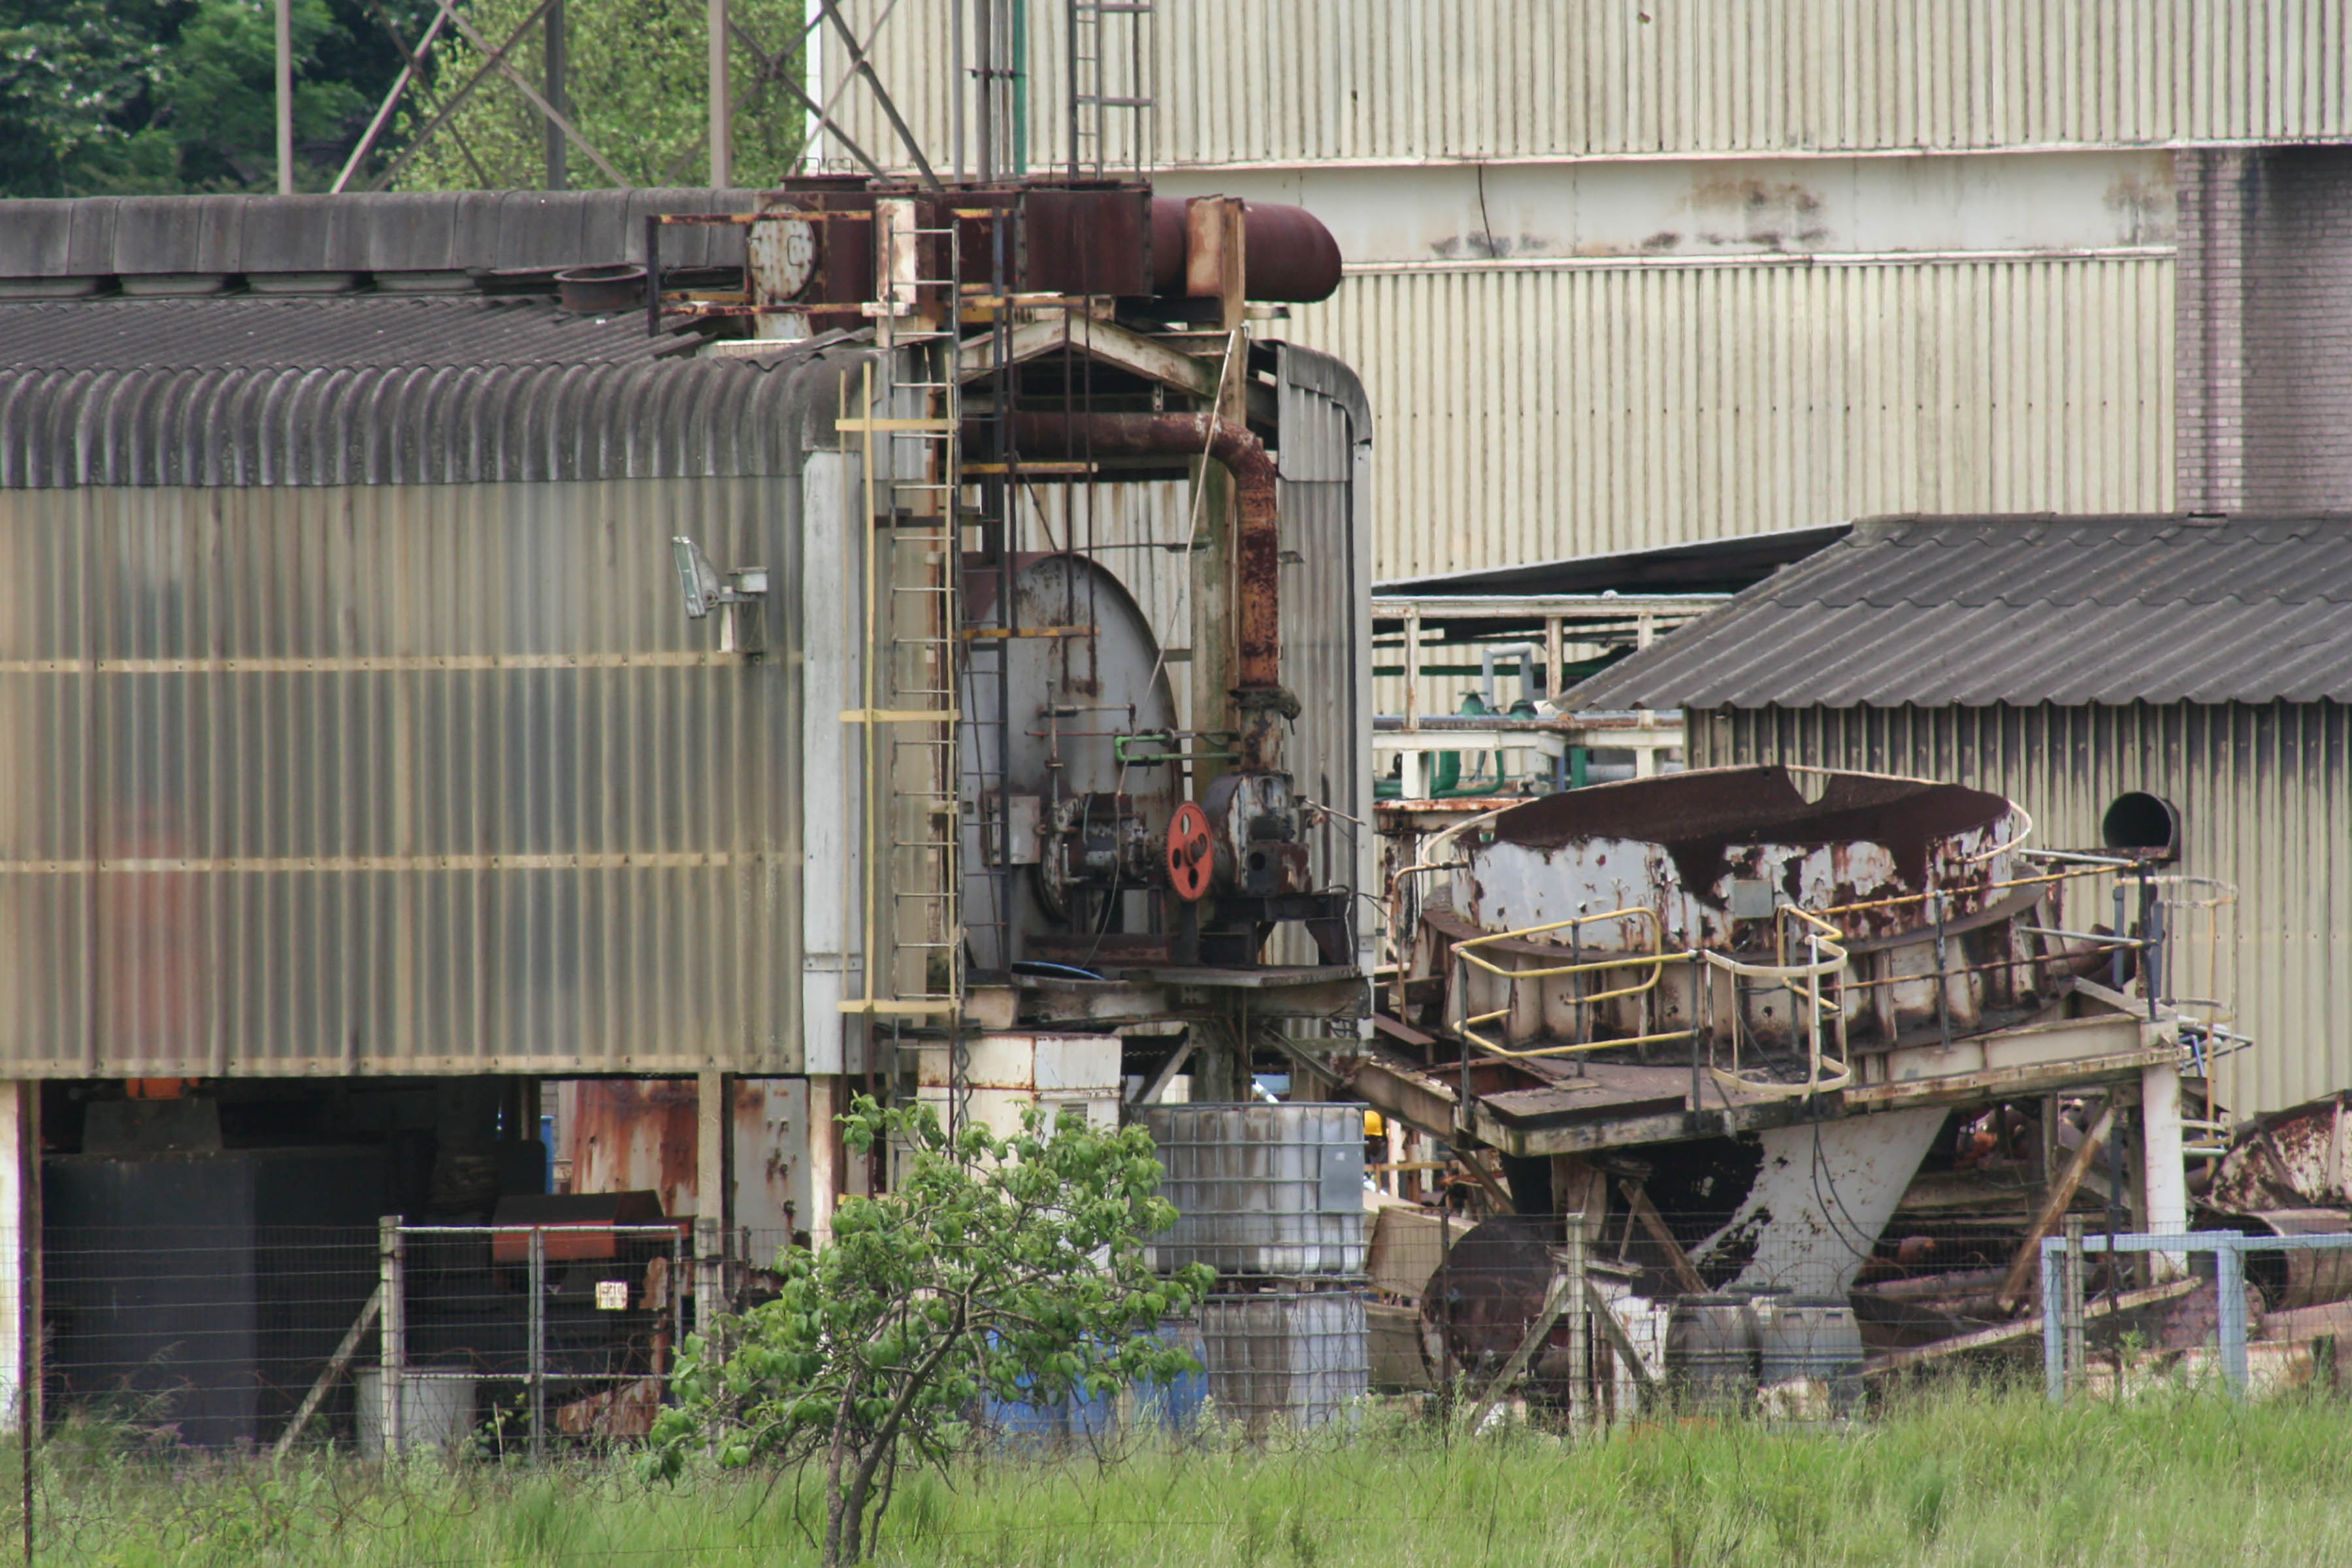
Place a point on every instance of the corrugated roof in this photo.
(441, 231)
(252, 331)
(1702, 567)
(374, 389)
(1935, 611)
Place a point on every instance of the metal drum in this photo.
(1292, 1358)
(1711, 1350)
(1272, 1190)
(1815, 1338)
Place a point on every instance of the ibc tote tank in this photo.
(1265, 1190)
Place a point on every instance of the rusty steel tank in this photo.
(1918, 884)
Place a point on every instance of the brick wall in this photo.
(2263, 331)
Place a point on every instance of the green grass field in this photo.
(1966, 1477)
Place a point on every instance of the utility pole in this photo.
(559, 66)
(285, 97)
(722, 128)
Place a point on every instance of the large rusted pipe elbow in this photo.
(1257, 542)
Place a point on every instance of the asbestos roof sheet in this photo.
(236, 390)
(433, 231)
(1936, 611)
(253, 331)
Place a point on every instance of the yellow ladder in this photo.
(910, 421)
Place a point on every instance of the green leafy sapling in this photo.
(1011, 1267)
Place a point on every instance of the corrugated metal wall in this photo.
(2265, 799)
(414, 778)
(1242, 81)
(1529, 414)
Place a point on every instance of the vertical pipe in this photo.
(285, 97)
(1016, 67)
(536, 1369)
(1699, 977)
(392, 1320)
(956, 90)
(2230, 1285)
(722, 128)
(984, 74)
(558, 64)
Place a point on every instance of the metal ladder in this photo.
(913, 934)
(1096, 91)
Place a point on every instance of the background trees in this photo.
(151, 97)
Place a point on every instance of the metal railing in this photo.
(2063, 1351)
(1826, 960)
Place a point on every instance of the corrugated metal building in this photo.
(359, 749)
(1624, 276)
(2068, 663)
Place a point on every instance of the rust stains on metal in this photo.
(1258, 690)
(636, 1135)
(1697, 817)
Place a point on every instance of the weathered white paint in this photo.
(1455, 215)
(1824, 1194)
(2164, 1181)
(830, 631)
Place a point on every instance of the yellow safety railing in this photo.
(1828, 1065)
(1654, 959)
(1827, 960)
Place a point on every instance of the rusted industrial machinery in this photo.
(1779, 984)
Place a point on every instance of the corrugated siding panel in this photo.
(1243, 81)
(386, 779)
(1530, 414)
(2265, 798)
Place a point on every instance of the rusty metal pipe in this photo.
(1288, 254)
(1259, 691)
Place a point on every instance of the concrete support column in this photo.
(2164, 1182)
(827, 1098)
(714, 1126)
(1220, 1064)
(20, 1251)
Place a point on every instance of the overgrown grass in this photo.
(1952, 1476)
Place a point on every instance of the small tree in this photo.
(1006, 1267)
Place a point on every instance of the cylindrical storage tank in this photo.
(1815, 1338)
(1711, 1350)
(1275, 1190)
(1292, 1358)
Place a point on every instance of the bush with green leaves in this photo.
(1010, 1268)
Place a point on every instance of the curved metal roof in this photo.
(382, 389)
(1936, 610)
